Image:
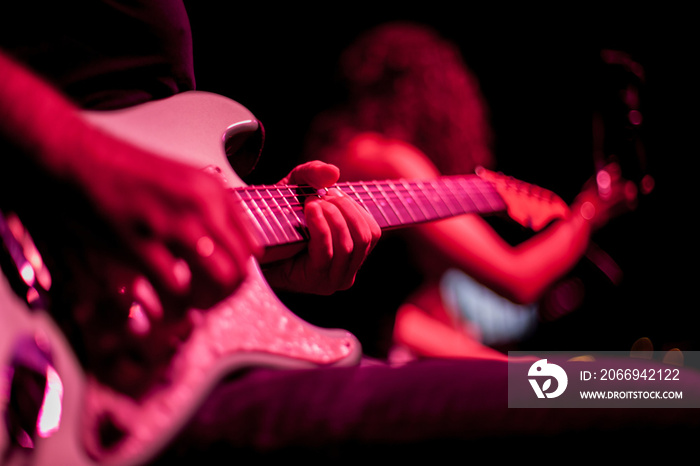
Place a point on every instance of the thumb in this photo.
(316, 174)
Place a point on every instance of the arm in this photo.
(117, 224)
(521, 273)
(106, 195)
(160, 209)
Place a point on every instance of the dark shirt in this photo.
(104, 54)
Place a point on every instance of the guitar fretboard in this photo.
(278, 210)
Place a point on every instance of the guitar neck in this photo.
(278, 210)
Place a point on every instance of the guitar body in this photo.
(250, 328)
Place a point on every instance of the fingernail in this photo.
(138, 322)
(146, 294)
(182, 274)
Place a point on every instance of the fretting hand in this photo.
(341, 235)
(529, 205)
(606, 196)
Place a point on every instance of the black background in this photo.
(540, 72)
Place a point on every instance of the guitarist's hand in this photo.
(606, 196)
(124, 226)
(341, 235)
(174, 223)
(529, 205)
(180, 223)
(106, 216)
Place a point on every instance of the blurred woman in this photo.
(414, 110)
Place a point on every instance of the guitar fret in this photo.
(448, 197)
(273, 217)
(378, 204)
(275, 222)
(258, 214)
(370, 203)
(396, 215)
(376, 195)
(411, 200)
(477, 196)
(465, 202)
(255, 221)
(403, 202)
(283, 204)
(278, 211)
(489, 191)
(358, 196)
(283, 219)
(424, 201)
(438, 203)
(300, 219)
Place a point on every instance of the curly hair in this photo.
(407, 82)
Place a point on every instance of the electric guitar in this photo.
(250, 328)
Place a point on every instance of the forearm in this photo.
(521, 273)
(36, 119)
(548, 256)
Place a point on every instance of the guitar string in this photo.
(409, 186)
(295, 199)
(295, 230)
(374, 206)
(393, 194)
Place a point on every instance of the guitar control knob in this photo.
(31, 380)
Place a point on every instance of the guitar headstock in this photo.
(529, 205)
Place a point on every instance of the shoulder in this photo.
(376, 156)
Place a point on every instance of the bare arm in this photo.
(106, 195)
(521, 273)
(160, 209)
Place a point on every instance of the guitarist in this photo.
(116, 223)
(103, 213)
(415, 110)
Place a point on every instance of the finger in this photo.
(209, 257)
(140, 304)
(363, 230)
(145, 294)
(320, 247)
(631, 192)
(124, 300)
(242, 237)
(224, 217)
(218, 246)
(614, 170)
(230, 228)
(363, 227)
(344, 252)
(166, 271)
